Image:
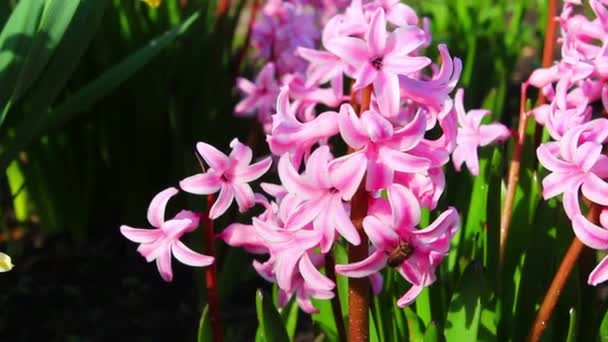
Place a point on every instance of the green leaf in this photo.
(55, 20)
(268, 317)
(433, 333)
(571, 337)
(204, 327)
(603, 334)
(15, 40)
(29, 130)
(465, 308)
(414, 325)
(289, 314)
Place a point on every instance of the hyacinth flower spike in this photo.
(159, 243)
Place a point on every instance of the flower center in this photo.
(376, 63)
(401, 253)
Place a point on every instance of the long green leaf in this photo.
(29, 130)
(270, 320)
(465, 308)
(55, 20)
(433, 333)
(204, 326)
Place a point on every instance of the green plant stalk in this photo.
(335, 302)
(359, 288)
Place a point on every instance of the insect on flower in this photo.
(403, 251)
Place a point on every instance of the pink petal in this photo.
(245, 86)
(400, 65)
(404, 162)
(284, 269)
(317, 167)
(595, 189)
(379, 176)
(244, 196)
(365, 76)
(342, 222)
(270, 233)
(292, 181)
(312, 276)
(350, 128)
(556, 183)
(378, 127)
(245, 236)
(386, 90)
(202, 183)
(550, 161)
(254, 171)
(351, 50)
(590, 234)
(213, 157)
(222, 202)
(404, 206)
(306, 304)
(446, 224)
(410, 296)
(306, 212)
(246, 105)
(189, 257)
(370, 265)
(381, 236)
(156, 210)
(492, 133)
(241, 154)
(163, 263)
(586, 155)
(140, 235)
(376, 34)
(347, 173)
(376, 281)
(599, 274)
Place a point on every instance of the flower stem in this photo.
(359, 288)
(335, 302)
(211, 276)
(515, 164)
(222, 8)
(559, 281)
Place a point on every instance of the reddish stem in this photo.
(359, 288)
(211, 276)
(335, 302)
(515, 164)
(222, 8)
(559, 281)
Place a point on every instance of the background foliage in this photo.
(102, 103)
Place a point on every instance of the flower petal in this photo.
(163, 263)
(595, 189)
(254, 171)
(222, 202)
(350, 128)
(403, 162)
(342, 222)
(244, 196)
(212, 156)
(381, 236)
(140, 235)
(368, 266)
(202, 183)
(386, 91)
(410, 296)
(189, 257)
(376, 34)
(347, 173)
(599, 274)
(404, 206)
(590, 234)
(156, 210)
(351, 50)
(312, 276)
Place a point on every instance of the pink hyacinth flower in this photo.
(576, 162)
(392, 225)
(472, 135)
(260, 95)
(322, 189)
(383, 146)
(381, 57)
(229, 175)
(158, 244)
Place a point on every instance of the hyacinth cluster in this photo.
(577, 92)
(318, 59)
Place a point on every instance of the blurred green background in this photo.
(101, 105)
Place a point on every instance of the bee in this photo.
(403, 251)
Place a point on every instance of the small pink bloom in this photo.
(322, 189)
(259, 96)
(397, 12)
(390, 227)
(381, 57)
(229, 175)
(158, 244)
(472, 135)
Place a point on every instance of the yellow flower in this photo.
(5, 263)
(152, 3)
